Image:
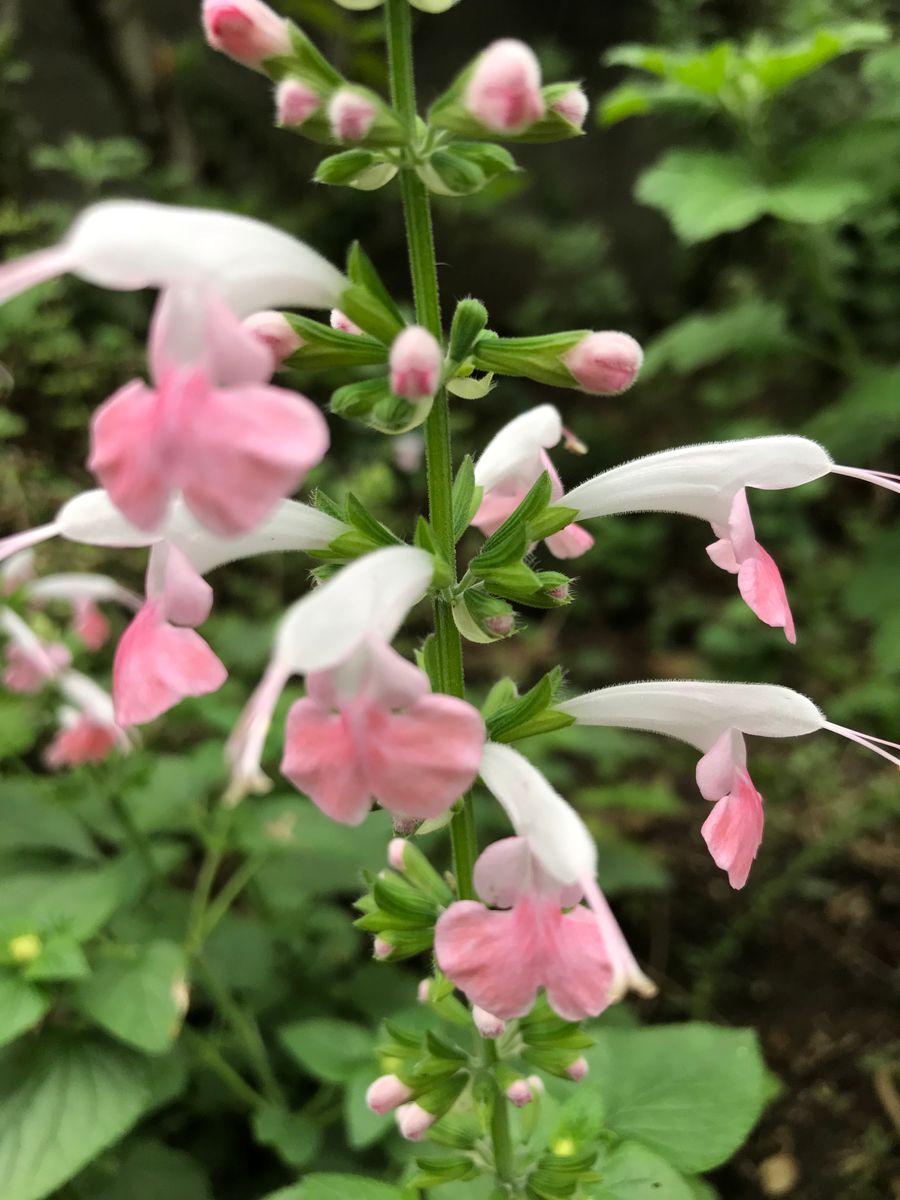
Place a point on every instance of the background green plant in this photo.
(758, 261)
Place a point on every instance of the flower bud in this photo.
(275, 330)
(414, 1122)
(342, 322)
(573, 106)
(605, 364)
(246, 30)
(295, 103)
(25, 948)
(382, 949)
(578, 1070)
(423, 991)
(351, 114)
(487, 1024)
(396, 846)
(433, 6)
(387, 1093)
(537, 1085)
(519, 1093)
(408, 451)
(504, 91)
(416, 361)
(501, 626)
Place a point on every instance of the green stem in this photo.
(211, 1057)
(230, 891)
(439, 461)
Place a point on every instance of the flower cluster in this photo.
(198, 467)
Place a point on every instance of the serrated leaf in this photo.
(692, 1092)
(328, 1049)
(137, 998)
(63, 1099)
(22, 1005)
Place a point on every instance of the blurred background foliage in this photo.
(736, 206)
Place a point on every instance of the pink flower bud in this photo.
(486, 1023)
(416, 362)
(414, 1122)
(351, 115)
(501, 625)
(382, 949)
(605, 364)
(573, 106)
(387, 1093)
(563, 591)
(342, 322)
(577, 1070)
(409, 450)
(294, 102)
(396, 847)
(519, 1093)
(274, 329)
(246, 30)
(423, 991)
(504, 91)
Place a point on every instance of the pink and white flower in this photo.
(88, 730)
(715, 717)
(211, 428)
(501, 959)
(511, 463)
(30, 662)
(710, 481)
(83, 592)
(246, 30)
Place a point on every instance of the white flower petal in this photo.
(700, 481)
(368, 599)
(92, 519)
(697, 712)
(77, 586)
(556, 835)
(516, 450)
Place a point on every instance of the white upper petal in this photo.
(87, 696)
(94, 520)
(80, 586)
(128, 244)
(515, 452)
(701, 481)
(698, 712)
(368, 599)
(556, 835)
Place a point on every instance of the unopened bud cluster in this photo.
(403, 903)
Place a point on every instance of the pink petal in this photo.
(244, 450)
(722, 554)
(173, 583)
(375, 672)
(235, 353)
(27, 672)
(130, 455)
(90, 624)
(502, 871)
(488, 955)
(86, 741)
(570, 542)
(575, 968)
(741, 533)
(421, 761)
(762, 587)
(716, 769)
(157, 665)
(321, 759)
(496, 505)
(733, 830)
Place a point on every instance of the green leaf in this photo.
(22, 1005)
(690, 1092)
(360, 517)
(19, 728)
(751, 328)
(632, 1172)
(62, 1101)
(137, 998)
(779, 66)
(363, 1127)
(61, 958)
(78, 901)
(294, 1137)
(703, 194)
(146, 1170)
(343, 1187)
(31, 822)
(328, 1049)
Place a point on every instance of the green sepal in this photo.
(361, 271)
(494, 160)
(548, 722)
(306, 62)
(378, 921)
(440, 1099)
(356, 401)
(370, 313)
(467, 496)
(324, 503)
(360, 518)
(406, 943)
(325, 348)
(504, 722)
(510, 542)
(365, 170)
(537, 358)
(345, 548)
(503, 694)
(551, 521)
(447, 174)
(419, 871)
(394, 895)
(435, 1170)
(469, 322)
(472, 612)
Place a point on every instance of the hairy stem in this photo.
(439, 460)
